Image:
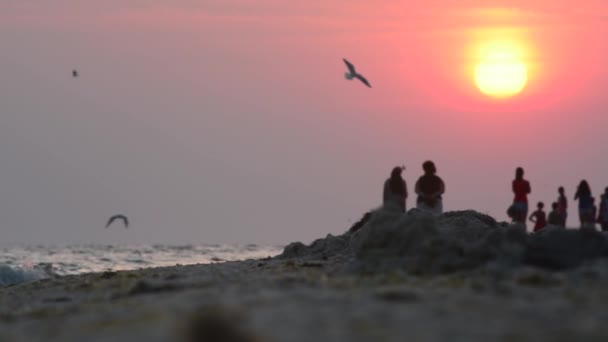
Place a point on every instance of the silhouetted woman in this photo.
(395, 189)
(585, 203)
(521, 188)
(429, 189)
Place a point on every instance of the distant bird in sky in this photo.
(353, 74)
(124, 219)
(74, 73)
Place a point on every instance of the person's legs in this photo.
(435, 210)
(421, 205)
(521, 212)
(585, 217)
(438, 208)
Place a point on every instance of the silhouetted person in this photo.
(521, 188)
(395, 189)
(585, 203)
(555, 219)
(538, 217)
(602, 216)
(429, 189)
(74, 73)
(562, 206)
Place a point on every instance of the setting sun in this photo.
(501, 74)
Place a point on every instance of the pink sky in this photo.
(232, 122)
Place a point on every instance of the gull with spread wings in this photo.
(353, 74)
(124, 219)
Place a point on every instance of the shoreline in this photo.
(317, 294)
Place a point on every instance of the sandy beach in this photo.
(337, 289)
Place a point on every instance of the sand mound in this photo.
(419, 242)
(556, 248)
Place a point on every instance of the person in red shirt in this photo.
(539, 217)
(521, 188)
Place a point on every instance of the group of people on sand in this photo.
(589, 213)
(429, 189)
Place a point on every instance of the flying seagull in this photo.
(74, 73)
(353, 74)
(124, 219)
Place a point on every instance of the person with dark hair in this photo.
(602, 216)
(538, 217)
(585, 203)
(562, 206)
(521, 188)
(555, 219)
(429, 189)
(395, 189)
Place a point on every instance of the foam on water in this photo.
(10, 275)
(26, 263)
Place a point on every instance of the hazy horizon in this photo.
(228, 122)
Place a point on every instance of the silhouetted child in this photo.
(538, 217)
(555, 218)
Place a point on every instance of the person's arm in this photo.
(533, 217)
(405, 188)
(441, 188)
(440, 191)
(417, 189)
(528, 188)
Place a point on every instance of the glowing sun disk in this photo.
(501, 74)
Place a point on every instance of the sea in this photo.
(20, 264)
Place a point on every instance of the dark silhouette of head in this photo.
(519, 173)
(396, 173)
(554, 205)
(583, 188)
(429, 167)
(560, 190)
(540, 205)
